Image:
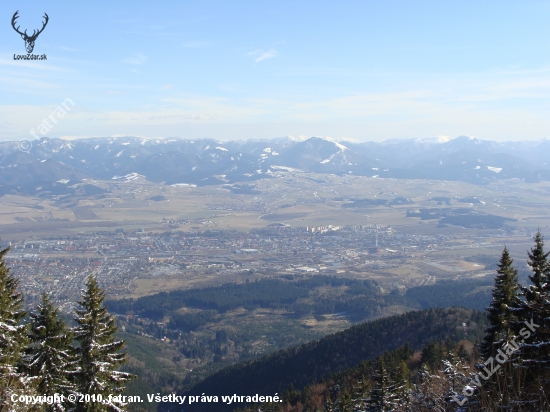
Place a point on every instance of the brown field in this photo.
(128, 205)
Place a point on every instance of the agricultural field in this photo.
(296, 199)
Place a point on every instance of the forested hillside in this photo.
(360, 299)
(273, 311)
(347, 390)
(306, 363)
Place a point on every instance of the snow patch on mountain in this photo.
(129, 177)
(183, 185)
(340, 146)
(286, 169)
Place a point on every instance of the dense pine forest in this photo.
(303, 364)
(452, 359)
(362, 299)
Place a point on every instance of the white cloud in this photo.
(504, 105)
(136, 59)
(262, 55)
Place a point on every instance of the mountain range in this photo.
(51, 165)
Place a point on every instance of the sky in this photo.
(359, 70)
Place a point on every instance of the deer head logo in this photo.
(29, 40)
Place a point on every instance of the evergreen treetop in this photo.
(505, 296)
(538, 262)
(49, 353)
(11, 312)
(532, 329)
(384, 396)
(12, 334)
(98, 353)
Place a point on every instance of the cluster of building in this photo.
(60, 265)
(64, 277)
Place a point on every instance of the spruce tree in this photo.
(432, 354)
(430, 391)
(12, 337)
(532, 330)
(345, 403)
(456, 379)
(48, 355)
(462, 353)
(402, 380)
(538, 262)
(98, 353)
(505, 297)
(328, 406)
(359, 390)
(384, 396)
(536, 307)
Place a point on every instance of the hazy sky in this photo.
(366, 70)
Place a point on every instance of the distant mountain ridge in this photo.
(206, 161)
